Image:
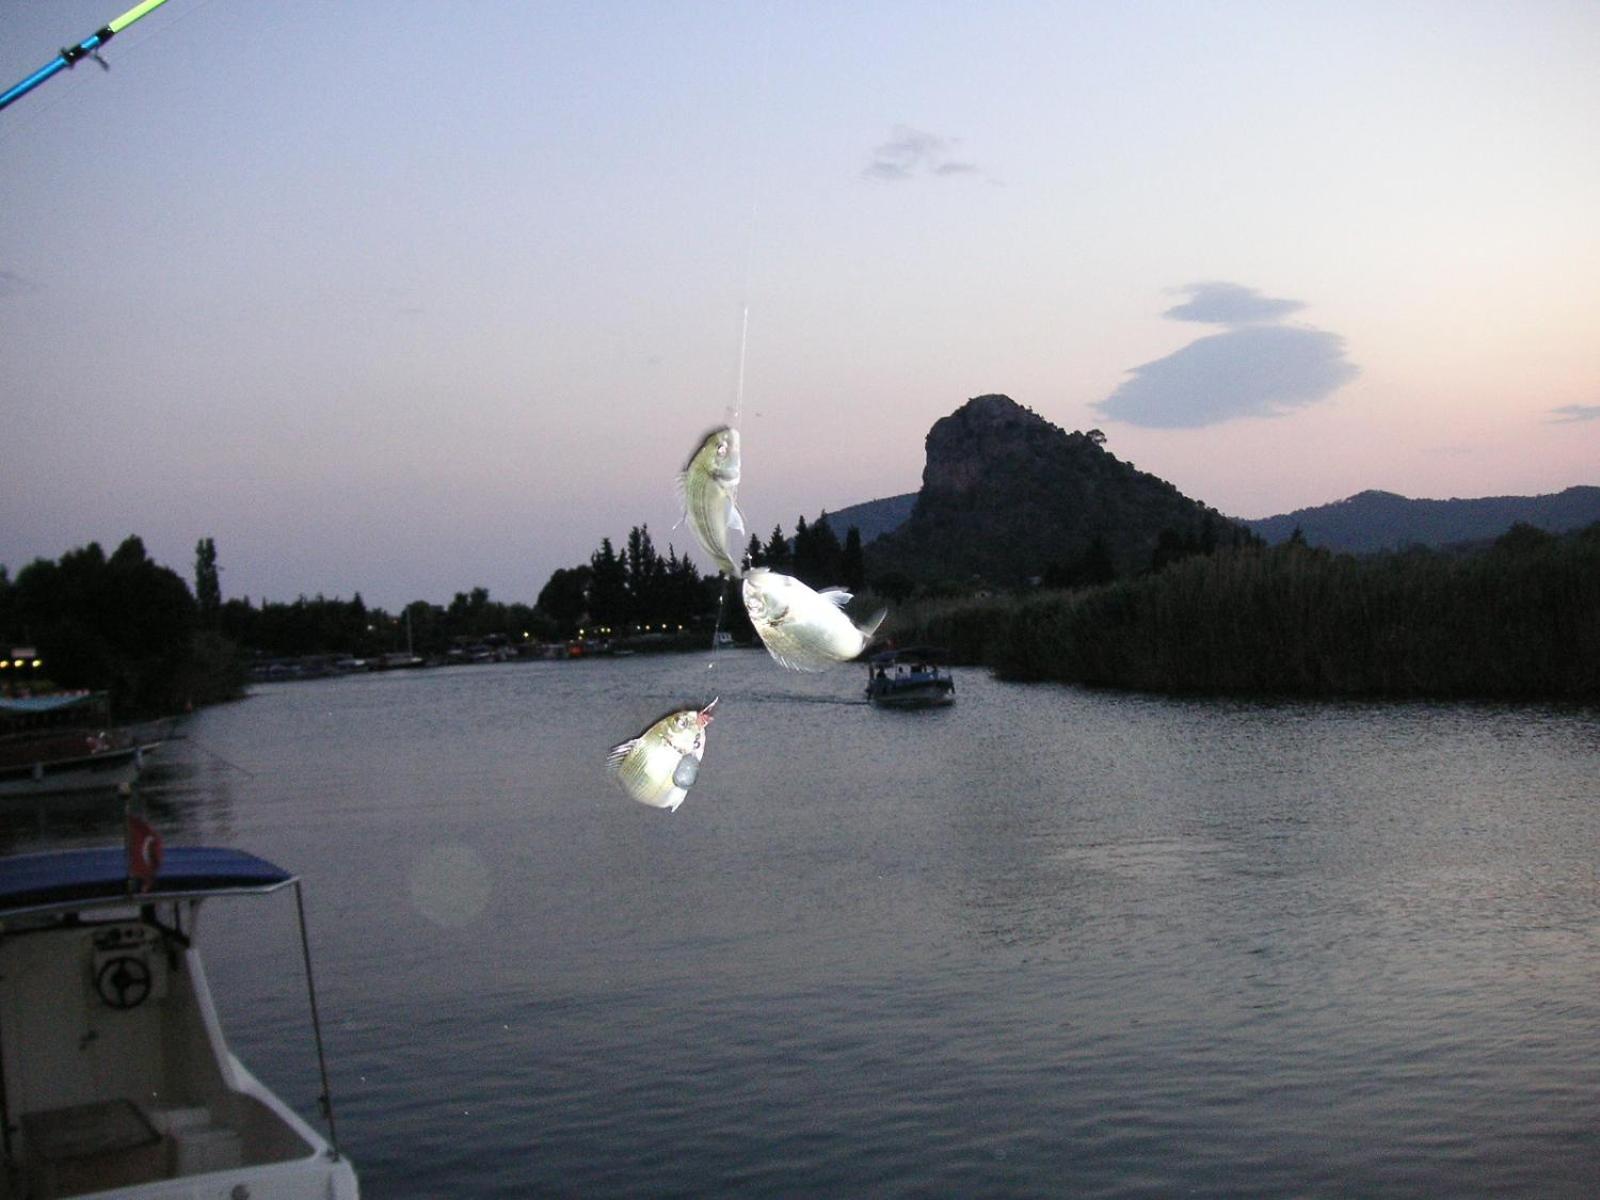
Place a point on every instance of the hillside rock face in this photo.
(1007, 496)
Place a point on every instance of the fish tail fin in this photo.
(871, 626)
(736, 536)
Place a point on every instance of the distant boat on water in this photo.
(910, 677)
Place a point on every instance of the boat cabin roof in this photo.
(908, 654)
(65, 880)
(55, 702)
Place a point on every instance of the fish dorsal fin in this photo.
(619, 752)
(836, 596)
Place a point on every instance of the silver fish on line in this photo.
(709, 486)
(803, 629)
(660, 765)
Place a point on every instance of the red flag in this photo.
(144, 852)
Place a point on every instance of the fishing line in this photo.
(762, 110)
(245, 771)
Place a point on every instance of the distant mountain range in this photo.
(873, 517)
(1373, 521)
(1007, 493)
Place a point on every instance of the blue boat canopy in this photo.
(34, 705)
(69, 879)
(909, 654)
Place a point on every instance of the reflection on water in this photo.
(1046, 941)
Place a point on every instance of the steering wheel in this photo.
(123, 981)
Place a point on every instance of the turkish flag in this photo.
(144, 852)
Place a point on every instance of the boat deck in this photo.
(115, 1071)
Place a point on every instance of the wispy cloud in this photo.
(1220, 303)
(12, 284)
(1568, 413)
(1255, 371)
(912, 152)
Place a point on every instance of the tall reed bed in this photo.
(1519, 621)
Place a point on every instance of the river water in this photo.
(1046, 942)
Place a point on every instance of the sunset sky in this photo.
(410, 298)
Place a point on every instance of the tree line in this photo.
(121, 623)
(1520, 620)
(124, 623)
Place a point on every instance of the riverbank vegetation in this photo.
(125, 624)
(120, 623)
(1519, 620)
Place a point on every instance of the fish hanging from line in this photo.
(709, 485)
(660, 765)
(804, 630)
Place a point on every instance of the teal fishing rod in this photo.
(69, 57)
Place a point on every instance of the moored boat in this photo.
(115, 1078)
(65, 743)
(910, 677)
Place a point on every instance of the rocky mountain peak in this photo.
(1006, 495)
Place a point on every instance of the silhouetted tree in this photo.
(207, 583)
(646, 577)
(776, 554)
(608, 586)
(565, 598)
(852, 566)
(122, 624)
(816, 553)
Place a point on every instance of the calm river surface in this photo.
(1048, 942)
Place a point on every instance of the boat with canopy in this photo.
(115, 1077)
(910, 677)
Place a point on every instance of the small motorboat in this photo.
(910, 677)
(115, 1079)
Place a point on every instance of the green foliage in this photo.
(1519, 621)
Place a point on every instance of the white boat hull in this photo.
(118, 1081)
(90, 773)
